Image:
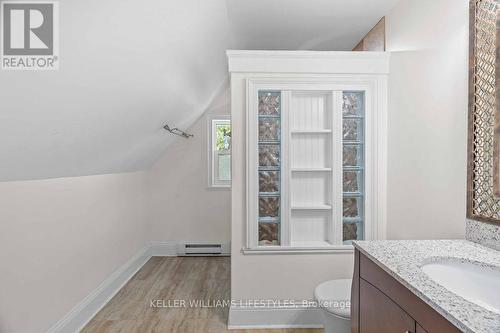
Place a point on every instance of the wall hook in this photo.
(178, 132)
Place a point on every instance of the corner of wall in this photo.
(483, 233)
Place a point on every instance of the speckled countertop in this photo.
(403, 259)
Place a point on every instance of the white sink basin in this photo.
(473, 282)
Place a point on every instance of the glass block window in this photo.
(353, 111)
(269, 168)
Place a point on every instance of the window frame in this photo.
(213, 159)
(374, 156)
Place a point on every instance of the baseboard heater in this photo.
(200, 249)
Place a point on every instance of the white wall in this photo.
(181, 206)
(428, 89)
(59, 239)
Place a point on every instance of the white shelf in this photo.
(311, 169)
(311, 131)
(300, 248)
(312, 207)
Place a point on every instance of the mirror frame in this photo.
(496, 140)
(483, 196)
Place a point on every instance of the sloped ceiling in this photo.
(128, 67)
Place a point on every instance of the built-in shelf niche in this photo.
(311, 227)
(310, 189)
(312, 207)
(311, 168)
(310, 131)
(309, 111)
(311, 150)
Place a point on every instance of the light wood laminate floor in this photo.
(170, 278)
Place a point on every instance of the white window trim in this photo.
(213, 120)
(375, 87)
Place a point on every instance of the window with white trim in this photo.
(310, 154)
(220, 152)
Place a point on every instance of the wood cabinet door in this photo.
(420, 329)
(378, 313)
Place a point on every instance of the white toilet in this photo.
(334, 300)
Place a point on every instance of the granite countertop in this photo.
(403, 259)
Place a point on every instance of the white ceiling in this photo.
(323, 25)
(128, 67)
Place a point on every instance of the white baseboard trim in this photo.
(164, 248)
(83, 312)
(245, 317)
(169, 248)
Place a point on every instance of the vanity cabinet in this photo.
(420, 329)
(380, 304)
(388, 317)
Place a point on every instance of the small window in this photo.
(220, 152)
